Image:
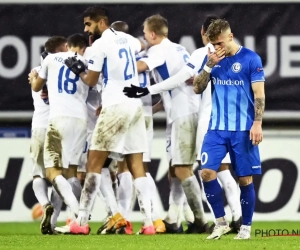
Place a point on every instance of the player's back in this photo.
(67, 93)
(184, 99)
(233, 98)
(119, 66)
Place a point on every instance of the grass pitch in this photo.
(27, 236)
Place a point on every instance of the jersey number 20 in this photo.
(72, 82)
(124, 53)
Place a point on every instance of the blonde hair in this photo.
(216, 28)
(157, 24)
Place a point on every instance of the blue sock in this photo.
(213, 192)
(248, 203)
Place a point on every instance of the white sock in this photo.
(57, 203)
(192, 191)
(187, 212)
(176, 200)
(40, 190)
(64, 189)
(108, 192)
(125, 191)
(231, 192)
(107, 209)
(143, 195)
(76, 187)
(205, 199)
(153, 193)
(90, 189)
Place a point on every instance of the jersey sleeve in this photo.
(43, 72)
(97, 56)
(154, 57)
(197, 61)
(256, 69)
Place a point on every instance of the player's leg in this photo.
(184, 150)
(246, 163)
(157, 221)
(213, 150)
(39, 185)
(135, 146)
(108, 136)
(59, 139)
(229, 185)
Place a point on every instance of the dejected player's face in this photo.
(91, 27)
(223, 41)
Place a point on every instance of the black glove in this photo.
(75, 65)
(135, 91)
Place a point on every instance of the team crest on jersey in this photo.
(236, 67)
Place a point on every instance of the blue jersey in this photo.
(232, 94)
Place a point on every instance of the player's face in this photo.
(223, 41)
(148, 35)
(91, 27)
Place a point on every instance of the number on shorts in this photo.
(72, 81)
(185, 58)
(144, 83)
(127, 76)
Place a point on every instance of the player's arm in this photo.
(159, 106)
(259, 101)
(201, 81)
(90, 78)
(38, 80)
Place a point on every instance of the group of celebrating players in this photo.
(92, 127)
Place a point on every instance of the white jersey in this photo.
(114, 56)
(194, 66)
(41, 110)
(144, 80)
(67, 92)
(166, 59)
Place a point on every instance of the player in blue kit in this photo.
(238, 102)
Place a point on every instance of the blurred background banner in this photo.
(272, 30)
(277, 189)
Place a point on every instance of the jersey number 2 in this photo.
(66, 75)
(124, 52)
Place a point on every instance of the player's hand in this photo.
(190, 81)
(98, 110)
(75, 65)
(32, 75)
(256, 134)
(135, 91)
(215, 57)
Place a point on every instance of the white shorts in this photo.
(121, 129)
(65, 141)
(84, 155)
(149, 129)
(201, 132)
(37, 151)
(183, 140)
(168, 142)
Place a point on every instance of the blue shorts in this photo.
(245, 158)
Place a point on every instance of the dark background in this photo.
(258, 20)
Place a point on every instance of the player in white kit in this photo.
(66, 132)
(166, 59)
(38, 132)
(120, 127)
(191, 69)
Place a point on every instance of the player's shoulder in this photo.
(201, 51)
(248, 53)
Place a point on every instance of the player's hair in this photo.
(96, 13)
(216, 28)
(157, 24)
(53, 43)
(78, 40)
(208, 20)
(120, 26)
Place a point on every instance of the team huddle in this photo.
(92, 127)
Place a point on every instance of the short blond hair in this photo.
(216, 28)
(157, 24)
